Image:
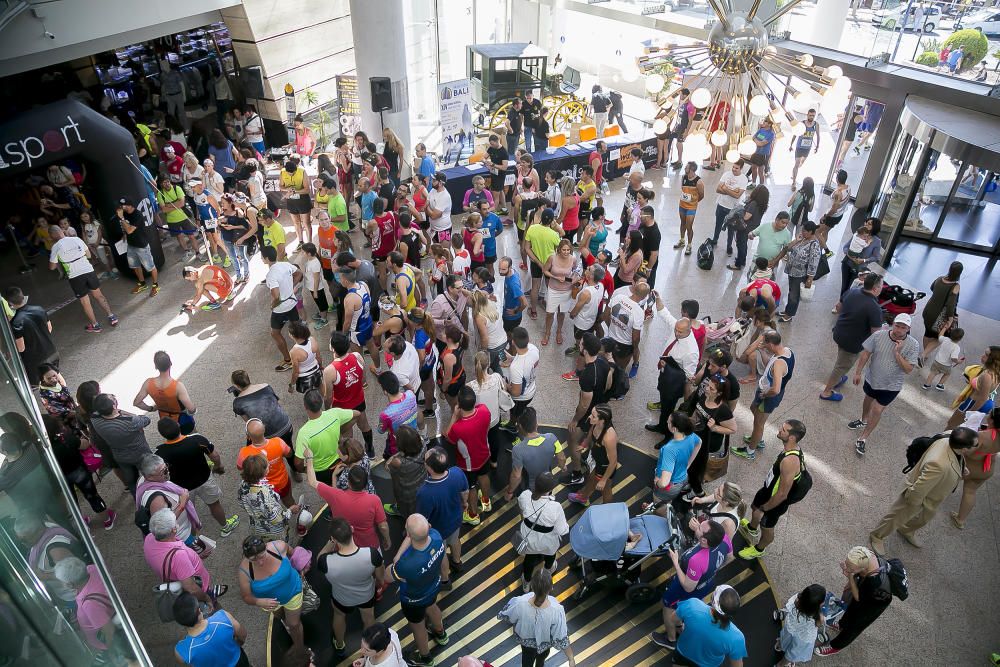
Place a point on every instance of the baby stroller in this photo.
(599, 540)
(896, 299)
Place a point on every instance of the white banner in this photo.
(455, 100)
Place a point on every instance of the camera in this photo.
(233, 390)
(49, 35)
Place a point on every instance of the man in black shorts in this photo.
(679, 128)
(780, 491)
(73, 256)
(595, 381)
(417, 569)
(282, 277)
(353, 575)
(496, 161)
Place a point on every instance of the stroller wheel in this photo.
(580, 592)
(640, 593)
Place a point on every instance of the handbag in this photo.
(505, 401)
(940, 320)
(163, 596)
(807, 293)
(718, 464)
(310, 598)
(734, 220)
(822, 268)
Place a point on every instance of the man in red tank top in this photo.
(344, 384)
(384, 231)
(170, 396)
(596, 162)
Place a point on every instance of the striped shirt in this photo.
(883, 371)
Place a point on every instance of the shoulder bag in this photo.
(517, 541)
(163, 595)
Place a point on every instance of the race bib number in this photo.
(805, 142)
(325, 253)
(508, 180)
(211, 224)
(686, 197)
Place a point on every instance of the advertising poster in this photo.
(455, 100)
(350, 105)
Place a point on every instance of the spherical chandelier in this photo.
(736, 78)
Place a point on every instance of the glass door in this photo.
(971, 217)
(858, 126)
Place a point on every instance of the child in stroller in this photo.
(610, 548)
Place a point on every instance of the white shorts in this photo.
(556, 300)
(209, 492)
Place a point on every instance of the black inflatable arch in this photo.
(64, 129)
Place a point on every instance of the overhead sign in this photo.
(455, 102)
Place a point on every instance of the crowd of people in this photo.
(438, 310)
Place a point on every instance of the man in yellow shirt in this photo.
(274, 233)
(540, 241)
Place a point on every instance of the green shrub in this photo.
(928, 58)
(974, 44)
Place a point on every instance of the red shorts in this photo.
(285, 490)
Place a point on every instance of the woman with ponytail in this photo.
(539, 622)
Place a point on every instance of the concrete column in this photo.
(828, 21)
(380, 26)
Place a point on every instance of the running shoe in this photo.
(428, 412)
(485, 504)
(782, 317)
(752, 535)
(154, 290)
(570, 351)
(390, 509)
(230, 526)
(380, 591)
(746, 441)
(570, 377)
(744, 453)
(856, 424)
(141, 287)
(415, 659)
(661, 640)
(687, 250)
(572, 478)
(925, 387)
(216, 259)
(470, 520)
(441, 638)
(678, 245)
(633, 371)
(445, 585)
(456, 566)
(283, 366)
(226, 263)
(339, 648)
(113, 320)
(859, 447)
(109, 523)
(580, 500)
(215, 305)
(653, 405)
(319, 324)
(93, 328)
(939, 387)
(826, 651)
(750, 553)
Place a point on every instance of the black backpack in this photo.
(917, 448)
(619, 382)
(899, 583)
(142, 515)
(802, 483)
(706, 255)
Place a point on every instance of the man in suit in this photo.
(933, 479)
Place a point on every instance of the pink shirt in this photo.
(93, 608)
(184, 564)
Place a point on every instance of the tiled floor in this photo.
(950, 617)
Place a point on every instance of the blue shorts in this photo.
(765, 405)
(762, 302)
(675, 593)
(362, 336)
(985, 408)
(686, 212)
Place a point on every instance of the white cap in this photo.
(903, 318)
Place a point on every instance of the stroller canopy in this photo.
(601, 532)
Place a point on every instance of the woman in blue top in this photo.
(268, 581)
(215, 641)
(224, 156)
(421, 327)
(596, 232)
(676, 455)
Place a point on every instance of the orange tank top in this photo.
(689, 193)
(165, 399)
(327, 246)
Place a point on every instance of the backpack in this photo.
(619, 382)
(142, 515)
(802, 483)
(734, 220)
(706, 255)
(917, 448)
(895, 572)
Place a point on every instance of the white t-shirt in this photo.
(280, 275)
(626, 315)
(407, 368)
(587, 316)
(440, 200)
(394, 657)
(183, 522)
(637, 168)
(313, 276)
(948, 353)
(523, 371)
(732, 182)
(461, 265)
(253, 129)
(71, 253)
(215, 184)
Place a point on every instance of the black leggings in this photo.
(321, 302)
(531, 657)
(859, 615)
(531, 561)
(496, 440)
(82, 481)
(696, 471)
